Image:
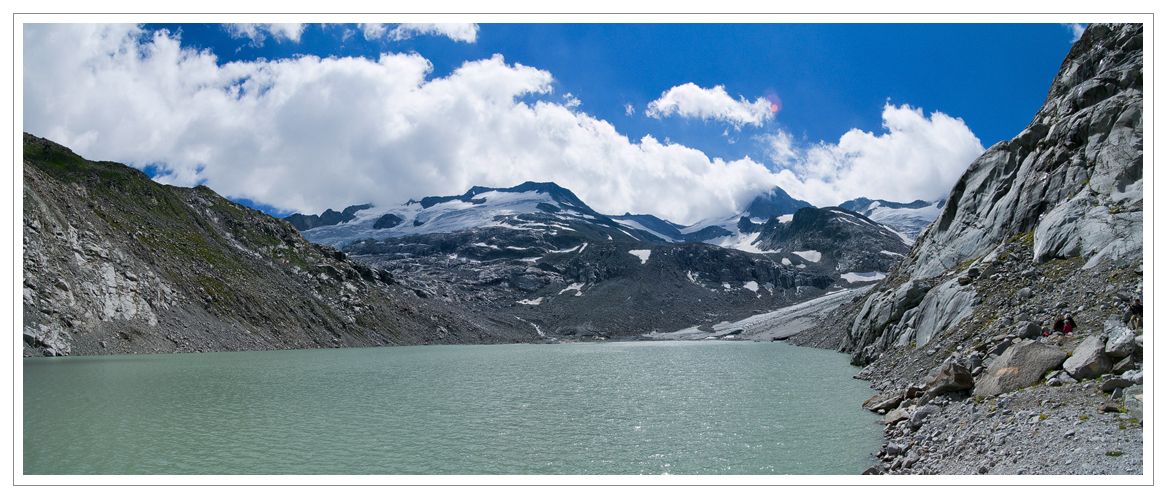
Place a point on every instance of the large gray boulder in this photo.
(949, 377)
(1121, 341)
(1089, 360)
(1022, 365)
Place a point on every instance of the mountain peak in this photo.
(775, 202)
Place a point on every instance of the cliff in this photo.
(1048, 224)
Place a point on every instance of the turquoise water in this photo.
(597, 408)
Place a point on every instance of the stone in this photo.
(1136, 377)
(949, 377)
(1124, 365)
(910, 459)
(895, 449)
(883, 402)
(1121, 342)
(898, 414)
(918, 417)
(1020, 366)
(1025, 293)
(1111, 382)
(1133, 402)
(1089, 359)
(1108, 408)
(1029, 330)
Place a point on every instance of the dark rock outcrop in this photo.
(776, 202)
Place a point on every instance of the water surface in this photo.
(595, 408)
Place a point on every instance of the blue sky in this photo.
(678, 120)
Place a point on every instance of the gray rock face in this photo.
(1021, 365)
(1075, 175)
(1089, 360)
(1072, 180)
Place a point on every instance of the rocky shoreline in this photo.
(1048, 224)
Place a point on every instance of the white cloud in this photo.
(258, 32)
(459, 32)
(307, 134)
(1076, 30)
(916, 158)
(372, 31)
(690, 101)
(629, 109)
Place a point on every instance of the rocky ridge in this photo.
(1044, 225)
(116, 263)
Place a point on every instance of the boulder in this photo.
(918, 417)
(899, 414)
(1021, 365)
(1128, 363)
(1028, 330)
(1089, 359)
(1136, 377)
(1111, 382)
(1121, 342)
(1133, 402)
(882, 402)
(949, 377)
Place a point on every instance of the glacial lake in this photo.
(712, 407)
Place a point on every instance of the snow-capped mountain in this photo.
(908, 219)
(531, 206)
(855, 243)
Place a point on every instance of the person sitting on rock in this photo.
(1069, 325)
(1058, 325)
(1137, 314)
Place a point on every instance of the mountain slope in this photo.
(854, 243)
(1069, 186)
(1048, 224)
(116, 263)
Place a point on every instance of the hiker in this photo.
(1058, 325)
(1069, 325)
(1137, 314)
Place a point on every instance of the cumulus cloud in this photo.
(690, 101)
(1076, 30)
(459, 32)
(372, 31)
(258, 32)
(307, 133)
(917, 157)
